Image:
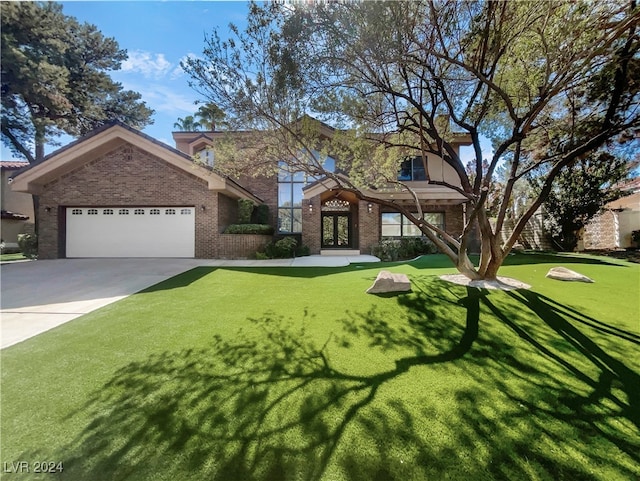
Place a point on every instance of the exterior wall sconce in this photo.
(203, 208)
(47, 209)
(310, 207)
(369, 207)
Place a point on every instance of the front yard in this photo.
(297, 374)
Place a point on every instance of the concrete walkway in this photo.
(39, 295)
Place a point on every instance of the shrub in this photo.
(262, 229)
(635, 237)
(28, 245)
(261, 214)
(401, 249)
(245, 209)
(282, 249)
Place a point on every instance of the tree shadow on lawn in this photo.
(524, 395)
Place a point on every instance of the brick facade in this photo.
(368, 226)
(241, 246)
(117, 166)
(126, 176)
(311, 225)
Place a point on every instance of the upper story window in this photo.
(290, 185)
(206, 156)
(412, 168)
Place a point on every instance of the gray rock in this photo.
(390, 282)
(564, 274)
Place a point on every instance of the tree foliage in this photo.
(579, 194)
(188, 124)
(55, 78)
(211, 116)
(548, 82)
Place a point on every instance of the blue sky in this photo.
(157, 35)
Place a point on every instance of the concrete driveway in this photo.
(39, 295)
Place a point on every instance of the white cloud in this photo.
(148, 64)
(163, 99)
(178, 70)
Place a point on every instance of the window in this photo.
(138, 212)
(290, 185)
(123, 212)
(170, 211)
(107, 212)
(76, 212)
(397, 225)
(92, 212)
(154, 212)
(185, 211)
(205, 156)
(412, 168)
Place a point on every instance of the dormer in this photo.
(196, 144)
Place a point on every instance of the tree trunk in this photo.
(491, 272)
(39, 151)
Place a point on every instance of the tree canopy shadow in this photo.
(451, 396)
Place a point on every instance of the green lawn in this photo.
(297, 374)
(12, 257)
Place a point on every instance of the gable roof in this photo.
(106, 138)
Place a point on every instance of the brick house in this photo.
(120, 193)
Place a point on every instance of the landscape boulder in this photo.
(564, 274)
(390, 282)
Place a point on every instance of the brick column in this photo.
(311, 224)
(368, 226)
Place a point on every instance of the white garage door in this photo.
(131, 232)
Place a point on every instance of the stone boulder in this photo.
(390, 282)
(564, 274)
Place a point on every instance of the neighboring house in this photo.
(120, 193)
(16, 208)
(612, 228)
(533, 236)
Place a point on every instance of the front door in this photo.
(336, 230)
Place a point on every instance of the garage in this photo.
(130, 231)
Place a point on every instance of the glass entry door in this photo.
(336, 230)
